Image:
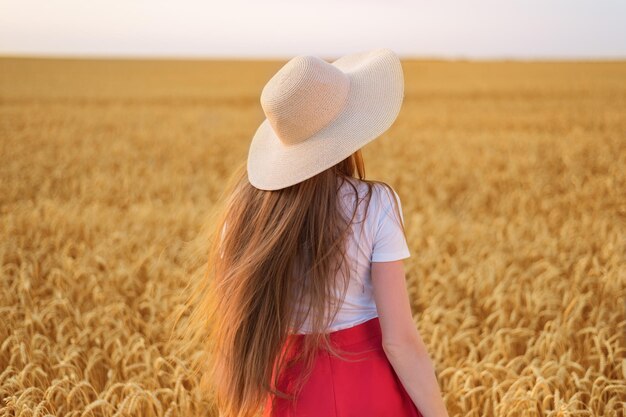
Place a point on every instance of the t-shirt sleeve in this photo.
(389, 241)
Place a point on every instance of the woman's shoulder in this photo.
(381, 199)
(386, 193)
(380, 189)
(383, 192)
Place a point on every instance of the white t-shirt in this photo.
(377, 239)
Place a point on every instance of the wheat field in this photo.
(512, 177)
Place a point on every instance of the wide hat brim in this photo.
(374, 100)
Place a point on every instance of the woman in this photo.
(304, 310)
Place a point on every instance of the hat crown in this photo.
(304, 96)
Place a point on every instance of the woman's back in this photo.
(375, 236)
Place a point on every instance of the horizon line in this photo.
(328, 57)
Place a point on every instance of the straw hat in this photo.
(319, 113)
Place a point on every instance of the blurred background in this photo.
(121, 121)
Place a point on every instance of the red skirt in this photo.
(366, 387)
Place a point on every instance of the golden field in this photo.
(512, 177)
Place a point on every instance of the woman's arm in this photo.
(402, 342)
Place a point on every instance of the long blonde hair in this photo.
(269, 253)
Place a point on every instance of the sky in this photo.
(279, 29)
